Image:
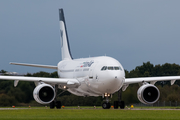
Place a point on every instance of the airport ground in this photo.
(91, 113)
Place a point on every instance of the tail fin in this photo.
(65, 48)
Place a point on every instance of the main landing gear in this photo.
(119, 102)
(56, 103)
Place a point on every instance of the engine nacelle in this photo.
(148, 94)
(44, 94)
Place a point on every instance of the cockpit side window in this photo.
(120, 68)
(104, 68)
(116, 68)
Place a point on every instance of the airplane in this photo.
(92, 76)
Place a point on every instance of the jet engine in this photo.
(44, 94)
(148, 94)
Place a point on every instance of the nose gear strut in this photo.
(106, 104)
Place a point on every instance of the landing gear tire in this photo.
(52, 105)
(106, 105)
(58, 104)
(116, 104)
(122, 105)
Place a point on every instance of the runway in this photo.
(93, 108)
(153, 109)
(14, 108)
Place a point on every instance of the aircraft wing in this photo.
(68, 82)
(35, 65)
(152, 80)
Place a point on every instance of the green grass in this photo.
(90, 114)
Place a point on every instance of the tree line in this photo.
(23, 93)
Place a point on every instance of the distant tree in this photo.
(54, 74)
(23, 92)
(3, 71)
(41, 74)
(6, 100)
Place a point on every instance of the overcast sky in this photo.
(131, 31)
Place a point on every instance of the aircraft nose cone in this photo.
(111, 81)
(116, 81)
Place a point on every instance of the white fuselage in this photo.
(97, 75)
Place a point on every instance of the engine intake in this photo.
(148, 94)
(44, 94)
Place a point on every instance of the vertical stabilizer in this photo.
(65, 48)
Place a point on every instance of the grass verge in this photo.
(84, 114)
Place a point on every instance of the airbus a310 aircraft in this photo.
(93, 76)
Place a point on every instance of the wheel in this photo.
(58, 104)
(122, 105)
(52, 105)
(116, 104)
(106, 105)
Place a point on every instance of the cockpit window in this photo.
(116, 68)
(120, 68)
(104, 68)
(110, 68)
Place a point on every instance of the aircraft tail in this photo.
(65, 48)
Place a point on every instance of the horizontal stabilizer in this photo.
(35, 65)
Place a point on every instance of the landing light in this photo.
(107, 95)
(64, 87)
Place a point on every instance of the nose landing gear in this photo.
(106, 104)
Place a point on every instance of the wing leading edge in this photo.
(152, 79)
(68, 82)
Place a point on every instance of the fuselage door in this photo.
(91, 71)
